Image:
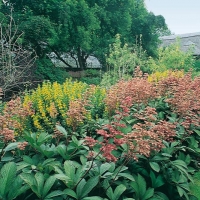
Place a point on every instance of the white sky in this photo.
(181, 16)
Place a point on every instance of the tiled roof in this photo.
(186, 41)
(187, 35)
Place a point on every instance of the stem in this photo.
(2, 152)
(124, 163)
(87, 170)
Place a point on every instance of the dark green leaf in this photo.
(69, 168)
(55, 193)
(156, 181)
(118, 191)
(83, 159)
(70, 193)
(159, 196)
(197, 131)
(48, 184)
(30, 180)
(167, 155)
(155, 166)
(104, 167)
(22, 165)
(39, 177)
(28, 160)
(63, 178)
(180, 191)
(93, 198)
(127, 175)
(90, 184)
(43, 137)
(11, 146)
(7, 176)
(126, 130)
(141, 185)
(179, 163)
(7, 158)
(109, 192)
(79, 187)
(159, 158)
(148, 194)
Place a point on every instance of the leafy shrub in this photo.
(171, 58)
(121, 61)
(197, 65)
(157, 76)
(92, 76)
(47, 71)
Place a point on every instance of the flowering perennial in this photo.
(129, 100)
(130, 108)
(13, 119)
(70, 104)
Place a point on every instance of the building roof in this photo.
(187, 35)
(186, 41)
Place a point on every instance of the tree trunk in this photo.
(82, 57)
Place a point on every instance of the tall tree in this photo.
(81, 28)
(146, 28)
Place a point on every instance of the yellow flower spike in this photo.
(51, 100)
(36, 122)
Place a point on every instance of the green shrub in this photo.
(172, 58)
(121, 61)
(45, 70)
(91, 76)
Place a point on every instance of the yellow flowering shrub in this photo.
(69, 104)
(157, 76)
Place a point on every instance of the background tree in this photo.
(79, 29)
(149, 26)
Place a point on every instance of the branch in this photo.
(71, 54)
(60, 58)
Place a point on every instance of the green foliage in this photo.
(150, 23)
(139, 187)
(41, 186)
(91, 76)
(47, 71)
(116, 193)
(121, 61)
(9, 179)
(38, 29)
(84, 27)
(196, 71)
(136, 140)
(195, 185)
(172, 58)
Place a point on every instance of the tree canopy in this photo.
(81, 28)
